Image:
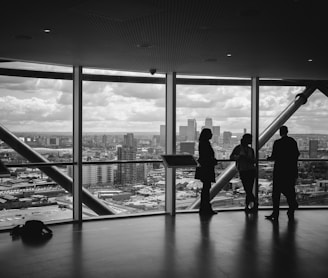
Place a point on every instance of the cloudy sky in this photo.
(30, 104)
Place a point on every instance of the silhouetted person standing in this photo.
(206, 172)
(245, 162)
(285, 155)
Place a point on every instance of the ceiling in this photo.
(268, 39)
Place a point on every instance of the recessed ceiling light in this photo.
(46, 30)
(229, 55)
(310, 60)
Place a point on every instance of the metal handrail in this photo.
(47, 164)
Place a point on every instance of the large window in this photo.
(226, 110)
(124, 136)
(121, 126)
(36, 127)
(309, 128)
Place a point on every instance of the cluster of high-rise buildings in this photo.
(123, 173)
(131, 147)
(188, 135)
(190, 132)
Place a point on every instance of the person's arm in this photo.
(297, 152)
(273, 154)
(235, 153)
(206, 155)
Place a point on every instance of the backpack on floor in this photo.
(32, 229)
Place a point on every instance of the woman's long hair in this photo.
(205, 135)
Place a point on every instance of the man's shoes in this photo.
(271, 217)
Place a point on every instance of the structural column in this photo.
(255, 100)
(170, 139)
(77, 143)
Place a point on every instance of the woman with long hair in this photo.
(245, 163)
(206, 172)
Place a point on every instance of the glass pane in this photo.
(273, 100)
(39, 113)
(311, 186)
(29, 194)
(188, 190)
(122, 73)
(35, 66)
(309, 128)
(208, 77)
(36, 120)
(145, 194)
(122, 121)
(226, 110)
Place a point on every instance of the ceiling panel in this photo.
(270, 39)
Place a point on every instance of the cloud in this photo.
(32, 109)
(43, 104)
(139, 91)
(24, 85)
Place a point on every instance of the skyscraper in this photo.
(127, 173)
(209, 123)
(216, 134)
(313, 148)
(227, 137)
(191, 130)
(183, 132)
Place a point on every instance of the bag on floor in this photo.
(32, 229)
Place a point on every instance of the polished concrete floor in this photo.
(229, 244)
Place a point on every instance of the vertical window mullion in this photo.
(255, 126)
(77, 143)
(170, 142)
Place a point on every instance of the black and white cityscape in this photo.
(136, 187)
(124, 137)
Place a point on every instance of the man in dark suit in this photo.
(285, 155)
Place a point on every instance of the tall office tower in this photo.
(191, 130)
(162, 135)
(187, 147)
(128, 140)
(104, 140)
(209, 123)
(183, 132)
(216, 134)
(313, 148)
(127, 173)
(141, 173)
(245, 130)
(227, 137)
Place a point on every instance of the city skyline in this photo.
(32, 105)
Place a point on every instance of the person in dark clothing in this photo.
(285, 155)
(245, 162)
(205, 172)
